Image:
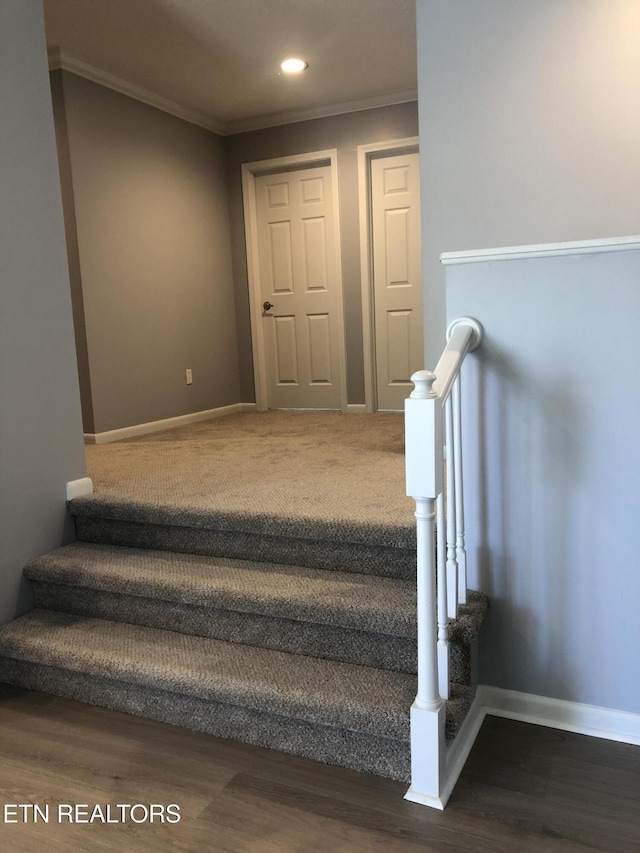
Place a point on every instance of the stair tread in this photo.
(190, 512)
(353, 697)
(346, 599)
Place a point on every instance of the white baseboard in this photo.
(458, 751)
(592, 720)
(79, 488)
(356, 409)
(167, 423)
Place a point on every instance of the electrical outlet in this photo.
(189, 376)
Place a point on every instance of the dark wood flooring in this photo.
(524, 788)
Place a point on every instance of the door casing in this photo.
(250, 171)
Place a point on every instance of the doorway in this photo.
(295, 281)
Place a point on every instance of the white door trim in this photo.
(250, 171)
(365, 154)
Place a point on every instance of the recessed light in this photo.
(293, 65)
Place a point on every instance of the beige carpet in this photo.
(303, 465)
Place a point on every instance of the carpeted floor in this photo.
(299, 465)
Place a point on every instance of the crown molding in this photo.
(388, 99)
(60, 60)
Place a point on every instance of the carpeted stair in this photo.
(289, 634)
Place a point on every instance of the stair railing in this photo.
(433, 448)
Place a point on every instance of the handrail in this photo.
(463, 335)
(433, 420)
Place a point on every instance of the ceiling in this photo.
(216, 62)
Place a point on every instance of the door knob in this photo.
(267, 306)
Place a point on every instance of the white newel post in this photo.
(424, 464)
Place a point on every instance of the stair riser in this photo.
(304, 638)
(324, 641)
(315, 554)
(356, 751)
(460, 664)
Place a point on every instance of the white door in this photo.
(397, 276)
(300, 291)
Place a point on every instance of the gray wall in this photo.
(146, 194)
(529, 127)
(73, 254)
(344, 132)
(40, 423)
(553, 464)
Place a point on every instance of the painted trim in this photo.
(388, 99)
(544, 250)
(60, 59)
(253, 272)
(167, 423)
(79, 488)
(592, 720)
(366, 153)
(414, 796)
(250, 171)
(457, 754)
(458, 751)
(356, 409)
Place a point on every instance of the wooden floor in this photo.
(525, 788)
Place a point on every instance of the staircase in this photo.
(291, 635)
